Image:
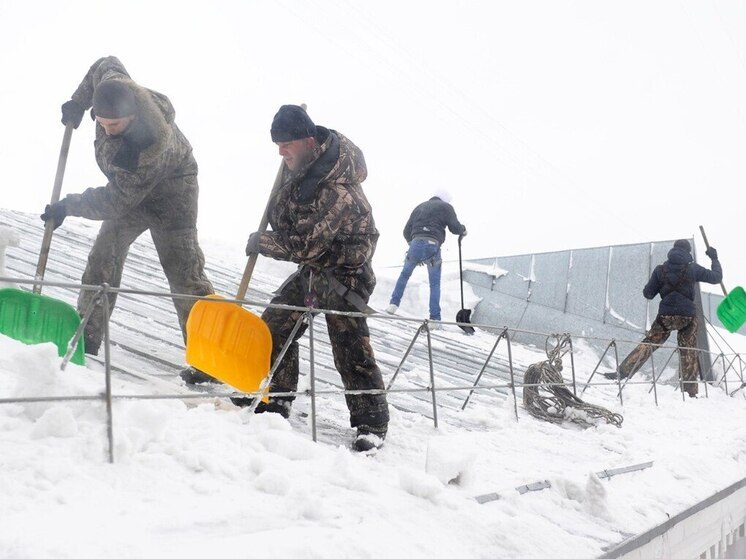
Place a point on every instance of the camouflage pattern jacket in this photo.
(151, 172)
(319, 215)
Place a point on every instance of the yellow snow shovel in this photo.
(227, 341)
(33, 318)
(732, 309)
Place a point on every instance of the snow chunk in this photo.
(450, 460)
(419, 484)
(57, 421)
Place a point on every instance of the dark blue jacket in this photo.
(675, 279)
(430, 219)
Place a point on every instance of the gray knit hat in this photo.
(113, 99)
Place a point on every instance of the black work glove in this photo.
(72, 113)
(712, 253)
(252, 245)
(57, 212)
(462, 235)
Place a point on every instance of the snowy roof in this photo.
(193, 477)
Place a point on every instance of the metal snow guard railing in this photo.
(731, 363)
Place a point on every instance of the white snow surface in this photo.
(8, 238)
(201, 479)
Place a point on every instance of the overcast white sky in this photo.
(554, 125)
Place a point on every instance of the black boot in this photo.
(190, 375)
(91, 346)
(275, 405)
(369, 437)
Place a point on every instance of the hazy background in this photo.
(554, 125)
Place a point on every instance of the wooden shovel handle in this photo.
(707, 245)
(46, 242)
(249, 270)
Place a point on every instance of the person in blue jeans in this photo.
(425, 232)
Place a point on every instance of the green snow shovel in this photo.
(33, 318)
(732, 309)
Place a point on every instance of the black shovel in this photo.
(463, 316)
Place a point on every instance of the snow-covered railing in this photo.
(494, 372)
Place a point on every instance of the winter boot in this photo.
(190, 375)
(91, 347)
(369, 437)
(275, 405)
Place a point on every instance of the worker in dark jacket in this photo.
(151, 185)
(425, 232)
(675, 281)
(321, 220)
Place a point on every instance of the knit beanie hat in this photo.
(113, 99)
(683, 244)
(292, 123)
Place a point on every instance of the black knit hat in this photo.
(113, 99)
(292, 123)
(683, 244)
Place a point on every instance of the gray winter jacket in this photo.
(151, 172)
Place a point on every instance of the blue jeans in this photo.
(421, 251)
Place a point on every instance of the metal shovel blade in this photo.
(732, 310)
(33, 318)
(229, 343)
(464, 316)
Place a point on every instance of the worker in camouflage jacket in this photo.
(151, 185)
(322, 221)
(675, 281)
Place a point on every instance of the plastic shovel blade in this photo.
(732, 310)
(464, 316)
(229, 343)
(33, 318)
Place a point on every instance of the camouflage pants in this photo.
(180, 255)
(686, 327)
(349, 336)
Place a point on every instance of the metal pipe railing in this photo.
(732, 364)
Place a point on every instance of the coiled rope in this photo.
(547, 398)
